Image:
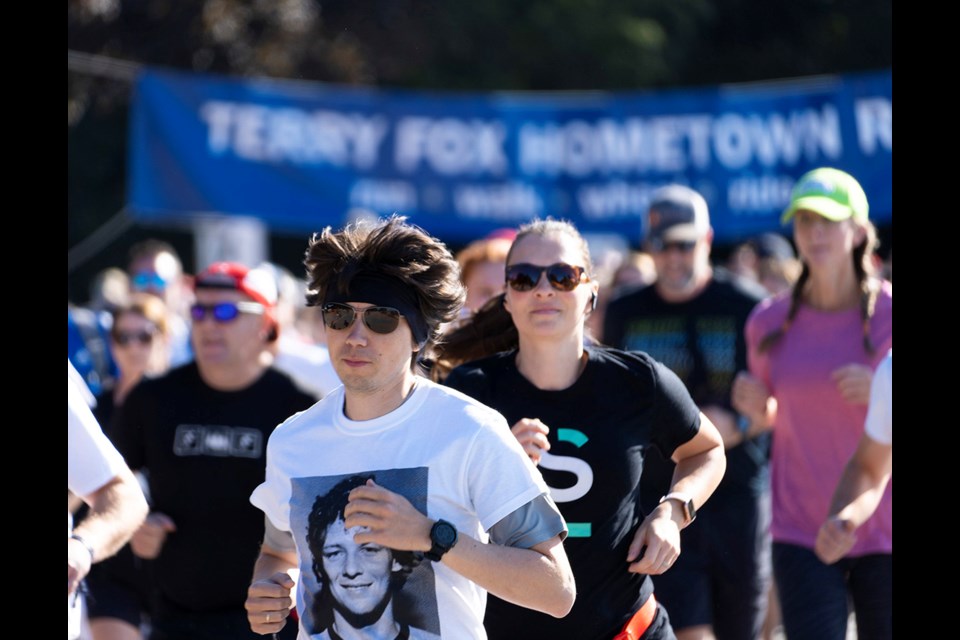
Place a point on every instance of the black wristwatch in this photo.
(443, 536)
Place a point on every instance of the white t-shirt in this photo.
(92, 461)
(879, 421)
(449, 455)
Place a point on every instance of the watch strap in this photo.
(686, 503)
(440, 547)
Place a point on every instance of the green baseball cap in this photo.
(834, 194)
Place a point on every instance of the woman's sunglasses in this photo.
(561, 276)
(339, 316)
(224, 311)
(123, 338)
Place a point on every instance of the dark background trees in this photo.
(547, 45)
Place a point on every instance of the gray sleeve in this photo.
(277, 538)
(533, 523)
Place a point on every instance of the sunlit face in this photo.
(484, 281)
(157, 274)
(545, 311)
(825, 244)
(133, 341)
(367, 361)
(235, 343)
(358, 574)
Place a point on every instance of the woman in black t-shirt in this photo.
(586, 415)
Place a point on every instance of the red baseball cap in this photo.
(256, 283)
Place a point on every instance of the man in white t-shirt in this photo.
(452, 484)
(97, 473)
(866, 474)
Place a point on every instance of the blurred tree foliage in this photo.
(550, 45)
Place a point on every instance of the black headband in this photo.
(386, 291)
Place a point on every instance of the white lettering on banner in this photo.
(578, 148)
(284, 134)
(759, 194)
(739, 140)
(514, 201)
(874, 118)
(450, 146)
(616, 199)
(383, 196)
(670, 144)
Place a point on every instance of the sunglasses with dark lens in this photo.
(561, 276)
(683, 246)
(148, 280)
(224, 311)
(123, 338)
(339, 316)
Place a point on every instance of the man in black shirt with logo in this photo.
(691, 319)
(200, 433)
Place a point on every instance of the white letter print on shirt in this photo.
(578, 468)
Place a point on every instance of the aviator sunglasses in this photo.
(339, 316)
(562, 277)
(224, 311)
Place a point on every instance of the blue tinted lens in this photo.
(225, 311)
(147, 280)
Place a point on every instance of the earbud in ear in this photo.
(593, 302)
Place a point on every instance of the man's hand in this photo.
(78, 563)
(269, 602)
(147, 542)
(389, 518)
(749, 396)
(532, 435)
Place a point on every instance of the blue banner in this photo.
(301, 156)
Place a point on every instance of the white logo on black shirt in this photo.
(217, 440)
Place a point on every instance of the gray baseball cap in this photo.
(676, 212)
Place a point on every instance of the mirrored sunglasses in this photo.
(339, 316)
(224, 311)
(148, 280)
(123, 338)
(561, 276)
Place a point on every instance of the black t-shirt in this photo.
(702, 341)
(205, 452)
(601, 428)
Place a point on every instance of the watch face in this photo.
(444, 534)
(691, 512)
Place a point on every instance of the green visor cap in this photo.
(834, 194)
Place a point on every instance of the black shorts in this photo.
(119, 588)
(723, 574)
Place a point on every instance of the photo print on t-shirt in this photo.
(359, 585)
